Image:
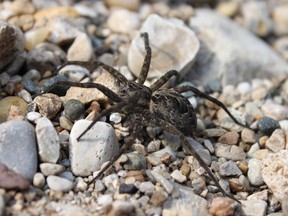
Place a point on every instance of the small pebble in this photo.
(229, 168)
(178, 176)
(51, 169)
(147, 187)
(39, 180)
(267, 125)
(115, 117)
(248, 136)
(73, 109)
(128, 188)
(57, 183)
(9, 101)
(105, 199)
(230, 152)
(230, 138)
(222, 206)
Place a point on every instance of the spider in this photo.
(163, 107)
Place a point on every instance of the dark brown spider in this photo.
(163, 107)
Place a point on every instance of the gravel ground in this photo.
(236, 51)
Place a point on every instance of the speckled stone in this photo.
(73, 109)
(267, 125)
(48, 104)
(6, 104)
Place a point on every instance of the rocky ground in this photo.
(236, 51)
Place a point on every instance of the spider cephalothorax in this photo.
(163, 107)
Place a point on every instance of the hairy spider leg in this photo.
(106, 91)
(147, 60)
(117, 107)
(163, 79)
(94, 64)
(181, 89)
(170, 128)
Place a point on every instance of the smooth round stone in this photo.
(96, 147)
(18, 147)
(73, 109)
(51, 169)
(7, 102)
(65, 123)
(39, 180)
(48, 141)
(115, 117)
(267, 125)
(59, 184)
(33, 116)
(105, 199)
(35, 36)
(25, 95)
(244, 87)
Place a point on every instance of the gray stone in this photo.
(18, 147)
(219, 56)
(47, 140)
(45, 56)
(57, 183)
(168, 52)
(229, 152)
(67, 175)
(96, 147)
(73, 109)
(274, 172)
(254, 172)
(167, 185)
(267, 125)
(229, 168)
(257, 18)
(135, 161)
(254, 207)
(74, 73)
(188, 203)
(147, 187)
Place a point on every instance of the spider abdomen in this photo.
(174, 108)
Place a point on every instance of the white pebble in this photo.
(115, 117)
(33, 116)
(57, 183)
(178, 176)
(39, 180)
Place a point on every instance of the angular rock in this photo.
(222, 206)
(276, 141)
(167, 185)
(254, 207)
(274, 172)
(188, 202)
(48, 104)
(48, 141)
(229, 168)
(178, 176)
(96, 147)
(229, 152)
(18, 147)
(275, 111)
(220, 56)
(174, 52)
